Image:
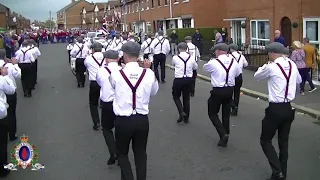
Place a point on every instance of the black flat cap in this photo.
(131, 48)
(188, 38)
(275, 47)
(221, 47)
(183, 46)
(111, 54)
(234, 47)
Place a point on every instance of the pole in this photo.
(124, 18)
(50, 21)
(170, 2)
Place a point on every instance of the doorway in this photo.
(237, 32)
(286, 30)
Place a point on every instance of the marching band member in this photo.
(146, 49)
(93, 63)
(107, 95)
(80, 52)
(36, 53)
(108, 44)
(14, 72)
(223, 72)
(6, 87)
(25, 59)
(118, 48)
(242, 61)
(133, 86)
(160, 48)
(131, 38)
(69, 48)
(283, 77)
(184, 65)
(117, 40)
(194, 51)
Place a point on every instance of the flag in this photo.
(14, 19)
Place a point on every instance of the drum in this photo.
(73, 65)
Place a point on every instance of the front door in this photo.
(286, 30)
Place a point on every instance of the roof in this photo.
(69, 6)
(102, 5)
(3, 8)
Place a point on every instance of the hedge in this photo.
(207, 33)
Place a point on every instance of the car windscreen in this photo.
(91, 35)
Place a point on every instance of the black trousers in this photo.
(26, 77)
(278, 117)
(133, 128)
(80, 70)
(3, 144)
(236, 91)
(69, 56)
(35, 73)
(107, 121)
(182, 86)
(146, 56)
(220, 97)
(12, 118)
(8, 53)
(160, 59)
(94, 96)
(194, 79)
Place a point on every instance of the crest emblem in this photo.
(24, 155)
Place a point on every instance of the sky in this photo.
(38, 9)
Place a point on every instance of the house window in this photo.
(147, 4)
(176, 1)
(186, 23)
(142, 7)
(260, 32)
(129, 8)
(159, 2)
(148, 27)
(311, 30)
(137, 7)
(166, 2)
(152, 3)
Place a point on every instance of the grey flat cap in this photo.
(131, 48)
(80, 40)
(221, 47)
(286, 51)
(188, 38)
(234, 47)
(97, 45)
(111, 54)
(275, 47)
(183, 46)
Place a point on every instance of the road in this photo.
(58, 123)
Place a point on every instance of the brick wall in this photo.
(3, 20)
(73, 16)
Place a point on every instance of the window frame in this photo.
(312, 19)
(256, 29)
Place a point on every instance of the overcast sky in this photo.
(38, 9)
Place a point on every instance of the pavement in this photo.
(58, 123)
(308, 104)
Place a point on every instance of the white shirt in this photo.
(160, 45)
(131, 39)
(13, 71)
(6, 88)
(277, 81)
(70, 47)
(242, 61)
(24, 55)
(108, 45)
(219, 74)
(35, 52)
(115, 43)
(93, 65)
(77, 52)
(184, 64)
(118, 48)
(122, 103)
(145, 46)
(102, 78)
(194, 51)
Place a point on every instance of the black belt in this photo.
(279, 103)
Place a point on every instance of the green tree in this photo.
(49, 24)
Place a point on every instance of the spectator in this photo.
(224, 34)
(174, 43)
(310, 59)
(278, 38)
(197, 40)
(218, 37)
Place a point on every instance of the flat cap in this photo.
(111, 54)
(286, 51)
(97, 45)
(221, 47)
(183, 46)
(188, 38)
(275, 47)
(233, 47)
(131, 48)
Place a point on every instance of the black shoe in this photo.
(234, 111)
(96, 127)
(224, 141)
(162, 82)
(13, 138)
(112, 160)
(29, 95)
(278, 176)
(79, 85)
(25, 94)
(192, 94)
(181, 117)
(33, 88)
(4, 174)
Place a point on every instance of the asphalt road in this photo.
(58, 123)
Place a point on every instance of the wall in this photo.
(73, 16)
(3, 20)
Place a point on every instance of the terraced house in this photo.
(254, 22)
(4, 17)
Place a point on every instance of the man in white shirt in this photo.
(242, 62)
(6, 87)
(223, 72)
(36, 53)
(118, 48)
(69, 48)
(146, 49)
(160, 48)
(108, 44)
(133, 87)
(117, 40)
(283, 76)
(80, 52)
(131, 38)
(93, 63)
(194, 51)
(106, 96)
(14, 72)
(25, 59)
(184, 65)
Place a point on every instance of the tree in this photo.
(49, 24)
